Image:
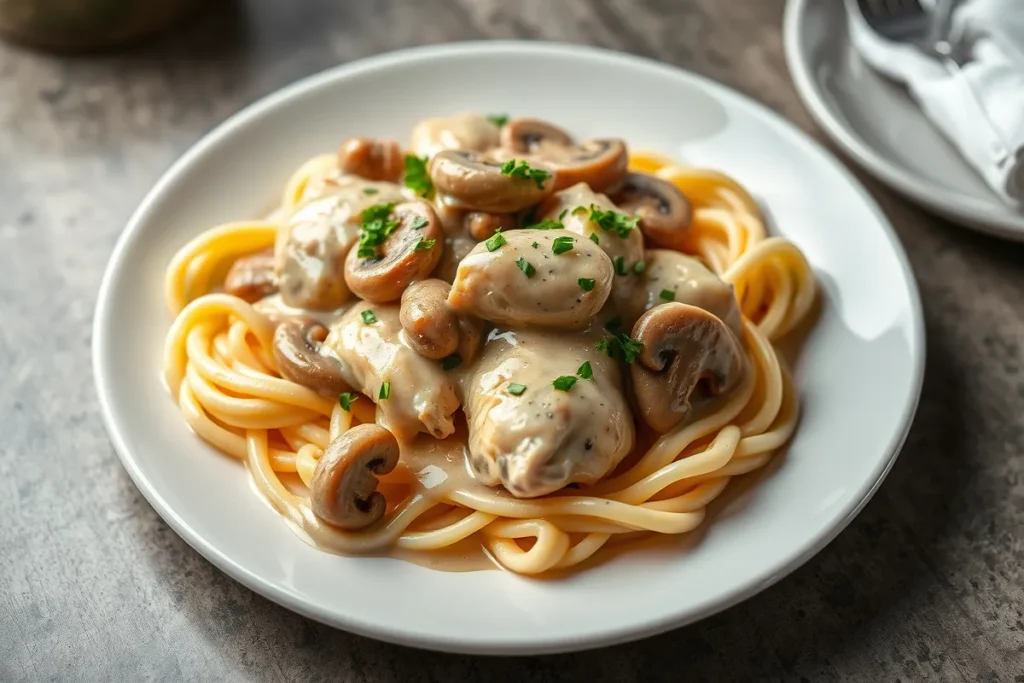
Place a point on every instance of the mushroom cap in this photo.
(430, 325)
(533, 136)
(682, 346)
(382, 278)
(663, 210)
(297, 343)
(343, 491)
(372, 159)
(600, 163)
(481, 225)
(252, 277)
(475, 182)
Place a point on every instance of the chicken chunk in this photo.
(412, 393)
(309, 257)
(550, 278)
(533, 437)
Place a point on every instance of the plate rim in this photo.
(809, 547)
(951, 203)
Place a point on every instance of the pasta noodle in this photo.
(219, 364)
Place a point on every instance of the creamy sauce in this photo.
(277, 311)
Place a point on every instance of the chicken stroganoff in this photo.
(501, 345)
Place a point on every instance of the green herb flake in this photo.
(385, 391)
(498, 120)
(667, 295)
(516, 389)
(346, 400)
(585, 371)
(562, 215)
(560, 245)
(535, 245)
(496, 241)
(525, 266)
(639, 267)
(631, 348)
(521, 169)
(594, 238)
(579, 210)
(451, 362)
(377, 226)
(546, 224)
(564, 383)
(419, 223)
(370, 190)
(603, 346)
(612, 221)
(620, 265)
(368, 317)
(424, 245)
(416, 177)
(586, 283)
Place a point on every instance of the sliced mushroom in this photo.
(663, 210)
(467, 131)
(601, 163)
(475, 182)
(409, 253)
(252, 277)
(482, 225)
(683, 346)
(433, 329)
(297, 345)
(372, 159)
(343, 491)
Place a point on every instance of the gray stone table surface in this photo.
(926, 584)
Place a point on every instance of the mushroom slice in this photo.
(371, 159)
(482, 225)
(663, 210)
(600, 163)
(298, 343)
(476, 182)
(682, 346)
(551, 278)
(462, 131)
(252, 278)
(432, 328)
(410, 252)
(343, 491)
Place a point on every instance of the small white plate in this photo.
(859, 372)
(877, 123)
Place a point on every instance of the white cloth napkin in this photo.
(993, 35)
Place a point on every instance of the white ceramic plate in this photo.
(877, 123)
(859, 373)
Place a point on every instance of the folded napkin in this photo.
(987, 128)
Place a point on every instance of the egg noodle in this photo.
(219, 363)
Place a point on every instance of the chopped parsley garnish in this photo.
(385, 391)
(612, 221)
(516, 389)
(562, 215)
(535, 245)
(416, 177)
(451, 362)
(564, 383)
(578, 210)
(614, 325)
(498, 119)
(520, 168)
(424, 245)
(561, 244)
(620, 346)
(585, 371)
(667, 295)
(586, 283)
(594, 238)
(346, 400)
(639, 267)
(620, 265)
(525, 266)
(368, 317)
(419, 223)
(376, 228)
(370, 190)
(546, 224)
(495, 241)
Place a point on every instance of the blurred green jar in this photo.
(74, 25)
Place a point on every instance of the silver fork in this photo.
(907, 21)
